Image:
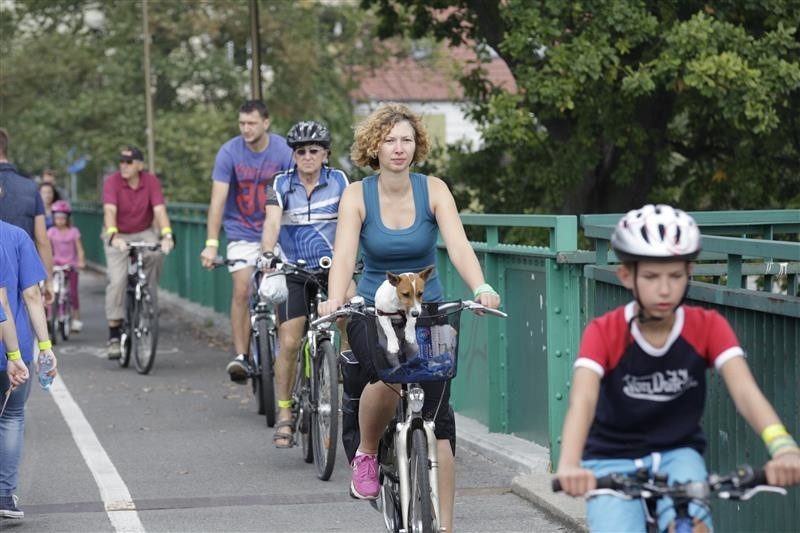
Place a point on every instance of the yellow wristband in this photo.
(166, 230)
(45, 345)
(112, 230)
(13, 356)
(212, 242)
(772, 432)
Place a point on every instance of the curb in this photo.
(531, 461)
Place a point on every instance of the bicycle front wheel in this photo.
(264, 383)
(65, 319)
(52, 319)
(420, 513)
(145, 334)
(302, 396)
(126, 342)
(325, 414)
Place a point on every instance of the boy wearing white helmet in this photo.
(639, 384)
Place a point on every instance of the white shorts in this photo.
(249, 251)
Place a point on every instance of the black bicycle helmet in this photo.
(308, 132)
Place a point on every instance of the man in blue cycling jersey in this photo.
(302, 210)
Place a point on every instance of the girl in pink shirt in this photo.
(68, 250)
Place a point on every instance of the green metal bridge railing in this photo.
(514, 374)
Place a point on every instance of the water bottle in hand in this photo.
(45, 362)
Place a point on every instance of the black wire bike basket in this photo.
(434, 356)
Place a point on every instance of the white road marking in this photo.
(117, 500)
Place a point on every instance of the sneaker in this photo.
(364, 484)
(76, 326)
(238, 369)
(9, 509)
(114, 351)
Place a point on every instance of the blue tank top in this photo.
(398, 250)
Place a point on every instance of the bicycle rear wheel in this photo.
(145, 333)
(420, 513)
(325, 414)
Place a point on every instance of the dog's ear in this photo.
(426, 272)
(394, 279)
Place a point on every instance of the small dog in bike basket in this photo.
(400, 296)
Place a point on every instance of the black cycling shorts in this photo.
(363, 336)
(301, 290)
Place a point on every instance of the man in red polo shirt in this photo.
(132, 199)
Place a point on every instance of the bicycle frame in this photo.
(407, 421)
(315, 389)
(262, 371)
(59, 311)
(138, 288)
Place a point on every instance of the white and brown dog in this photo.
(400, 295)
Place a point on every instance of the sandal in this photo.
(281, 439)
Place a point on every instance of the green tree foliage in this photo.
(625, 101)
(72, 82)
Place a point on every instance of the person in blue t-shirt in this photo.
(302, 211)
(21, 273)
(243, 171)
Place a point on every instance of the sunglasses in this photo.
(302, 151)
(126, 161)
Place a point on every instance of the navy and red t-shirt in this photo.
(651, 399)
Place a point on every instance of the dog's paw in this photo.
(392, 346)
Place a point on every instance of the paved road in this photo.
(187, 449)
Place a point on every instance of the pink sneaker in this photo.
(364, 484)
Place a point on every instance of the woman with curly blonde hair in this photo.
(395, 217)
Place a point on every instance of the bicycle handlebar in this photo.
(221, 261)
(143, 245)
(741, 484)
(356, 307)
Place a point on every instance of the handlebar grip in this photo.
(606, 482)
(759, 478)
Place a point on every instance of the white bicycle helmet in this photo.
(656, 232)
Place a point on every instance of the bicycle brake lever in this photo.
(746, 495)
(607, 492)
